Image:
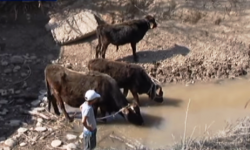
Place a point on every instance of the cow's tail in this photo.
(49, 95)
(99, 44)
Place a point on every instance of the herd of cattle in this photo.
(106, 77)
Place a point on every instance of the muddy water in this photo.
(211, 106)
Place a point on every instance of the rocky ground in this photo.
(195, 41)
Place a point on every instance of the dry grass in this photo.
(234, 136)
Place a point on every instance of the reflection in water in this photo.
(211, 105)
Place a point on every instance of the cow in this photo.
(131, 32)
(129, 77)
(69, 86)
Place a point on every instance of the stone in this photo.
(16, 59)
(4, 111)
(38, 124)
(22, 130)
(17, 91)
(39, 120)
(56, 143)
(4, 63)
(10, 142)
(35, 103)
(22, 144)
(23, 74)
(78, 26)
(14, 122)
(7, 70)
(81, 136)
(33, 57)
(16, 68)
(71, 137)
(20, 101)
(71, 146)
(3, 101)
(40, 129)
(38, 109)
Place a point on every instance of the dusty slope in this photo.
(195, 40)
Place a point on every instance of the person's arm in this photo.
(84, 120)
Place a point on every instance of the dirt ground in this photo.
(194, 41)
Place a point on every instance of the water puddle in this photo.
(210, 107)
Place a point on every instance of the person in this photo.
(88, 119)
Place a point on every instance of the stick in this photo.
(247, 104)
(36, 114)
(122, 139)
(185, 126)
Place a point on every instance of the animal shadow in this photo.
(154, 56)
(152, 121)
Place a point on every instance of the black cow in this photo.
(119, 34)
(70, 86)
(130, 77)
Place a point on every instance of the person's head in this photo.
(91, 96)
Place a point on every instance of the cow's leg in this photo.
(133, 45)
(104, 49)
(125, 92)
(135, 95)
(60, 101)
(103, 112)
(117, 47)
(97, 50)
(54, 104)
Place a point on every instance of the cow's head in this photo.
(151, 21)
(155, 93)
(133, 114)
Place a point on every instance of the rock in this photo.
(10, 142)
(22, 130)
(33, 57)
(56, 143)
(16, 68)
(71, 137)
(5, 148)
(3, 101)
(40, 129)
(7, 70)
(20, 101)
(14, 122)
(51, 24)
(82, 25)
(4, 111)
(38, 109)
(39, 120)
(35, 103)
(45, 99)
(23, 74)
(23, 144)
(42, 104)
(38, 124)
(4, 63)
(16, 59)
(71, 146)
(18, 92)
(81, 136)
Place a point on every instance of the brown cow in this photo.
(70, 86)
(129, 77)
